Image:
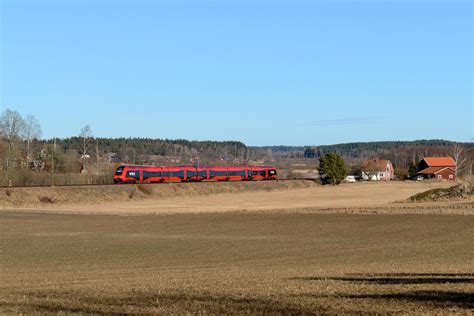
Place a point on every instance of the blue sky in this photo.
(263, 72)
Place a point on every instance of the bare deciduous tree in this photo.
(32, 131)
(12, 125)
(459, 156)
(99, 157)
(85, 140)
(12, 128)
(85, 137)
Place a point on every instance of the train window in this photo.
(133, 174)
(220, 173)
(272, 172)
(151, 174)
(237, 173)
(179, 174)
(201, 174)
(119, 171)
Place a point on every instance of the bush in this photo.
(147, 190)
(401, 173)
(332, 168)
(46, 199)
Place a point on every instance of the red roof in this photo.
(434, 170)
(381, 165)
(440, 161)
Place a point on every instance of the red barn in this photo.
(441, 168)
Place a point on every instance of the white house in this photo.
(377, 170)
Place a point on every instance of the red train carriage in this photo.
(152, 174)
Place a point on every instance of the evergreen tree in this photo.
(310, 152)
(332, 168)
(412, 170)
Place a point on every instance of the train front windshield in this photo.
(272, 172)
(119, 171)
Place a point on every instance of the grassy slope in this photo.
(80, 195)
(235, 262)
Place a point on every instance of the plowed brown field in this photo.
(278, 250)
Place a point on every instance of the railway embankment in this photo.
(33, 197)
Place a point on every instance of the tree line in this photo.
(25, 155)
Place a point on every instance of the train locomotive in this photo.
(154, 174)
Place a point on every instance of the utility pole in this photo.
(28, 154)
(470, 164)
(9, 162)
(97, 156)
(52, 161)
(8, 172)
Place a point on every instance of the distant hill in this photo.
(362, 149)
(401, 153)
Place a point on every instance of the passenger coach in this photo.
(152, 174)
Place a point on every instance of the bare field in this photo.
(271, 263)
(238, 248)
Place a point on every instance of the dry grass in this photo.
(105, 195)
(299, 196)
(270, 263)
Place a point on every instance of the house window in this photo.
(440, 176)
(451, 176)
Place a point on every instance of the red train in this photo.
(152, 174)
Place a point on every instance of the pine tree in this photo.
(332, 168)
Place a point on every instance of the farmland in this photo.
(222, 197)
(270, 255)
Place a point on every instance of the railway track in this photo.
(142, 183)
